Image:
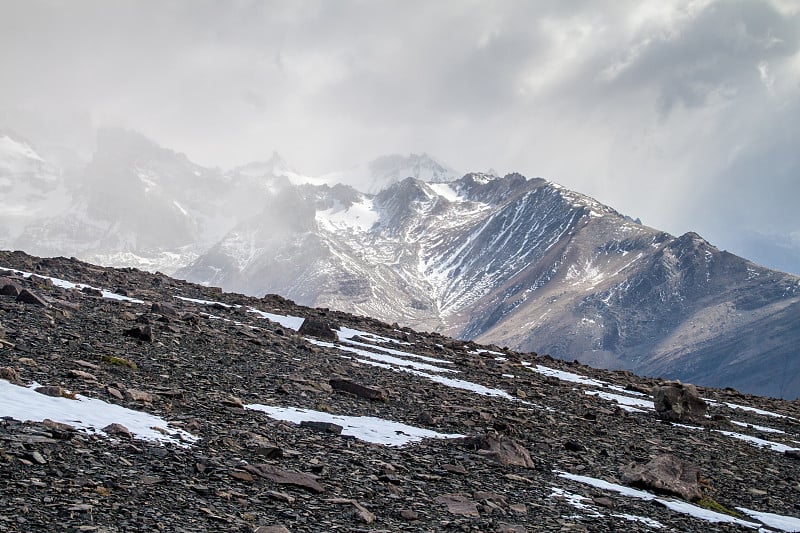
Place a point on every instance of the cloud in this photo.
(683, 113)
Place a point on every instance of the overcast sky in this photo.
(685, 114)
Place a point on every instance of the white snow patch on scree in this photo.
(574, 500)
(750, 409)
(649, 522)
(754, 441)
(783, 523)
(348, 333)
(366, 428)
(64, 284)
(764, 429)
(204, 302)
(635, 405)
(90, 414)
(394, 361)
(398, 352)
(448, 382)
(287, 321)
(675, 505)
(566, 376)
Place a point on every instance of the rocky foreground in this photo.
(131, 401)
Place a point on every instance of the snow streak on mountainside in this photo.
(511, 261)
(526, 263)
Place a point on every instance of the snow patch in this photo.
(675, 505)
(360, 216)
(780, 522)
(64, 284)
(446, 191)
(366, 428)
(89, 414)
(634, 405)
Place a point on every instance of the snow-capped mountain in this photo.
(526, 263)
(512, 261)
(30, 187)
(386, 170)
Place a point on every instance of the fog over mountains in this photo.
(513, 260)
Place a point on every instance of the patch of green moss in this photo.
(713, 505)
(119, 361)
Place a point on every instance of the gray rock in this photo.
(459, 504)
(362, 391)
(319, 328)
(677, 402)
(28, 297)
(666, 474)
(502, 449)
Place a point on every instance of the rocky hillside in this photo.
(131, 401)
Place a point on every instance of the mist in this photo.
(684, 114)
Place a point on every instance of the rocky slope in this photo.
(179, 407)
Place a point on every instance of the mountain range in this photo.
(514, 261)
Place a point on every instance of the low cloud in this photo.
(682, 113)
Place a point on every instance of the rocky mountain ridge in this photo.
(508, 260)
(235, 413)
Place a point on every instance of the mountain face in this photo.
(512, 261)
(525, 263)
(131, 401)
(30, 188)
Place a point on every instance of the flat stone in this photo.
(459, 504)
(362, 391)
(322, 427)
(286, 477)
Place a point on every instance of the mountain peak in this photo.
(274, 167)
(386, 170)
(420, 166)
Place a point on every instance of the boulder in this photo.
(665, 474)
(28, 297)
(9, 287)
(319, 328)
(677, 402)
(502, 449)
(143, 333)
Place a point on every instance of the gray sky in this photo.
(685, 114)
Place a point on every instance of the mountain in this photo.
(132, 401)
(386, 170)
(30, 187)
(528, 264)
(512, 261)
